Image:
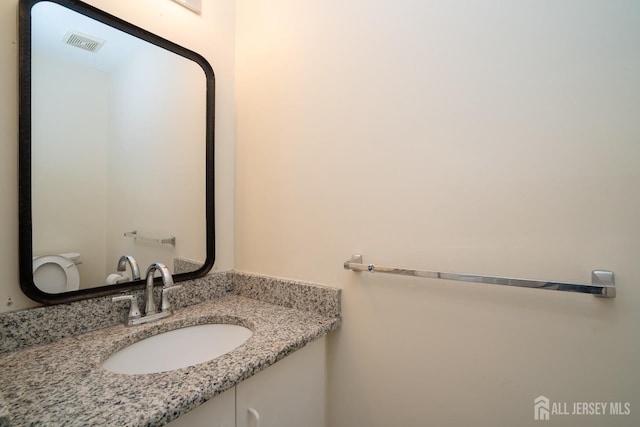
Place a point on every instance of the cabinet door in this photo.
(217, 412)
(290, 393)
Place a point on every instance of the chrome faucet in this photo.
(150, 309)
(133, 264)
(167, 282)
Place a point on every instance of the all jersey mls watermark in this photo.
(544, 408)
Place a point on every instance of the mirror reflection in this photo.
(118, 142)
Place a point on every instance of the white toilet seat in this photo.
(55, 274)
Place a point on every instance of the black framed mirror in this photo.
(116, 153)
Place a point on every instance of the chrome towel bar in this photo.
(602, 281)
(164, 241)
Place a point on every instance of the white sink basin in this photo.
(177, 349)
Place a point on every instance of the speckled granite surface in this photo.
(4, 414)
(63, 383)
(184, 265)
(42, 325)
(50, 352)
(306, 296)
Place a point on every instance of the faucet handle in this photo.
(165, 305)
(134, 310)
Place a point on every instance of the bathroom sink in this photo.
(177, 349)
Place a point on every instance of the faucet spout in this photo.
(133, 264)
(167, 281)
(151, 312)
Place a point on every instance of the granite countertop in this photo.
(63, 383)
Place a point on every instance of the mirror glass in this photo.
(115, 153)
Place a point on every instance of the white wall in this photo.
(211, 34)
(70, 122)
(486, 137)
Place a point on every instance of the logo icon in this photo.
(541, 408)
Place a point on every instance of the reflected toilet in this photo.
(55, 274)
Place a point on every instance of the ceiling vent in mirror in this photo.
(83, 41)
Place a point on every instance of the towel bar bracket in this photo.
(606, 280)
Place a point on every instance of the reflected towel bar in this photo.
(602, 281)
(164, 241)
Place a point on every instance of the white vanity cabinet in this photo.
(217, 412)
(290, 393)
